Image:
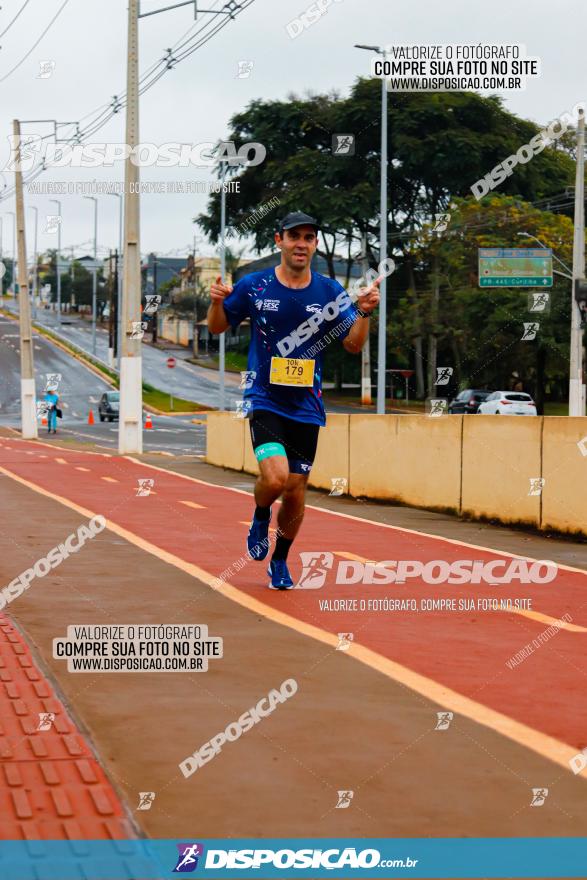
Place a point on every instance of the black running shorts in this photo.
(272, 434)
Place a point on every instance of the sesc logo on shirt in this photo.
(267, 305)
(275, 312)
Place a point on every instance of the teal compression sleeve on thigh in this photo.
(266, 450)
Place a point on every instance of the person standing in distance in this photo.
(295, 313)
(52, 399)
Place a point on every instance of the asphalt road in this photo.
(185, 380)
(80, 390)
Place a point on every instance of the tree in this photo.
(479, 330)
(82, 282)
(440, 144)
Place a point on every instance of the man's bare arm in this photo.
(216, 317)
(367, 302)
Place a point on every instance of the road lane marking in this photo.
(369, 522)
(551, 621)
(78, 468)
(353, 556)
(193, 504)
(109, 480)
(542, 744)
(60, 461)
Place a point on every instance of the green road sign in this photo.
(515, 267)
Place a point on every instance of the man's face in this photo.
(297, 246)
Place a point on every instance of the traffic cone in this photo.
(44, 420)
(91, 418)
(148, 421)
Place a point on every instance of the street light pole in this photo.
(566, 274)
(576, 387)
(36, 264)
(13, 215)
(382, 336)
(365, 351)
(95, 272)
(58, 261)
(119, 275)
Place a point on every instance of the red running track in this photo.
(465, 651)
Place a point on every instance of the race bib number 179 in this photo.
(292, 371)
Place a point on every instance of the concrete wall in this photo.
(411, 459)
(332, 458)
(183, 332)
(564, 468)
(225, 440)
(175, 330)
(500, 456)
(481, 466)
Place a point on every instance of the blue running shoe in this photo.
(258, 538)
(279, 574)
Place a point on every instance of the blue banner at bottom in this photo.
(288, 858)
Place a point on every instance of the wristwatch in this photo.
(362, 314)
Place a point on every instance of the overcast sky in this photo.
(194, 101)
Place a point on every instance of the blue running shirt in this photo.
(293, 323)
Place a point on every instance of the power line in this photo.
(167, 63)
(22, 8)
(178, 44)
(34, 46)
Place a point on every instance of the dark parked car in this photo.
(109, 406)
(468, 401)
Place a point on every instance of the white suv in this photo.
(508, 403)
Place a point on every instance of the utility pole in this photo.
(117, 302)
(118, 345)
(15, 248)
(58, 261)
(222, 338)
(13, 215)
(72, 297)
(111, 321)
(155, 292)
(95, 271)
(382, 340)
(130, 424)
(195, 340)
(432, 337)
(366, 350)
(36, 264)
(28, 395)
(576, 387)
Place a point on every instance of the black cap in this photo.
(297, 218)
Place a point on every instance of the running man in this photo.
(295, 313)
